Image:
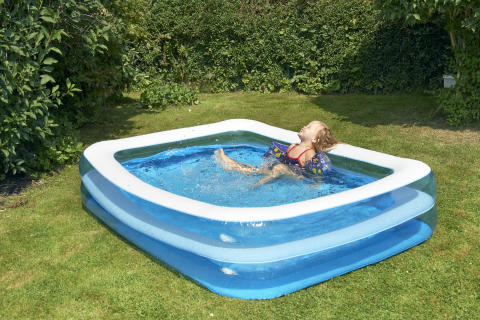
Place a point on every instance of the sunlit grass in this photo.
(57, 261)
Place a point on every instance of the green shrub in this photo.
(461, 104)
(461, 19)
(56, 66)
(93, 57)
(311, 46)
(159, 95)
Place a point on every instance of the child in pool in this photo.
(314, 137)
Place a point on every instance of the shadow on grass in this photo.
(113, 123)
(399, 109)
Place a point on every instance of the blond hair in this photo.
(324, 141)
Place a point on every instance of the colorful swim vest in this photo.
(317, 165)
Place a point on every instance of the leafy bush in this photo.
(55, 67)
(311, 46)
(159, 95)
(461, 104)
(93, 58)
(461, 19)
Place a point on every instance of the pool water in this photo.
(194, 173)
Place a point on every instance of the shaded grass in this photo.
(57, 261)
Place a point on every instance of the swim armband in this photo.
(317, 165)
(277, 150)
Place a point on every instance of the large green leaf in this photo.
(49, 61)
(48, 19)
(45, 78)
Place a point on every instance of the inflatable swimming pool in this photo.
(238, 245)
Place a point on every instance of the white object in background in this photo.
(448, 81)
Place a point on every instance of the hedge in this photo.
(308, 46)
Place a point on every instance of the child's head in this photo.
(319, 135)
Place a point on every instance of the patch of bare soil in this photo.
(11, 190)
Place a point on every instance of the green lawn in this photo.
(57, 261)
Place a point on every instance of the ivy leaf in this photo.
(45, 78)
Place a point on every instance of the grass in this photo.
(57, 261)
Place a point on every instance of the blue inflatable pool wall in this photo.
(260, 253)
